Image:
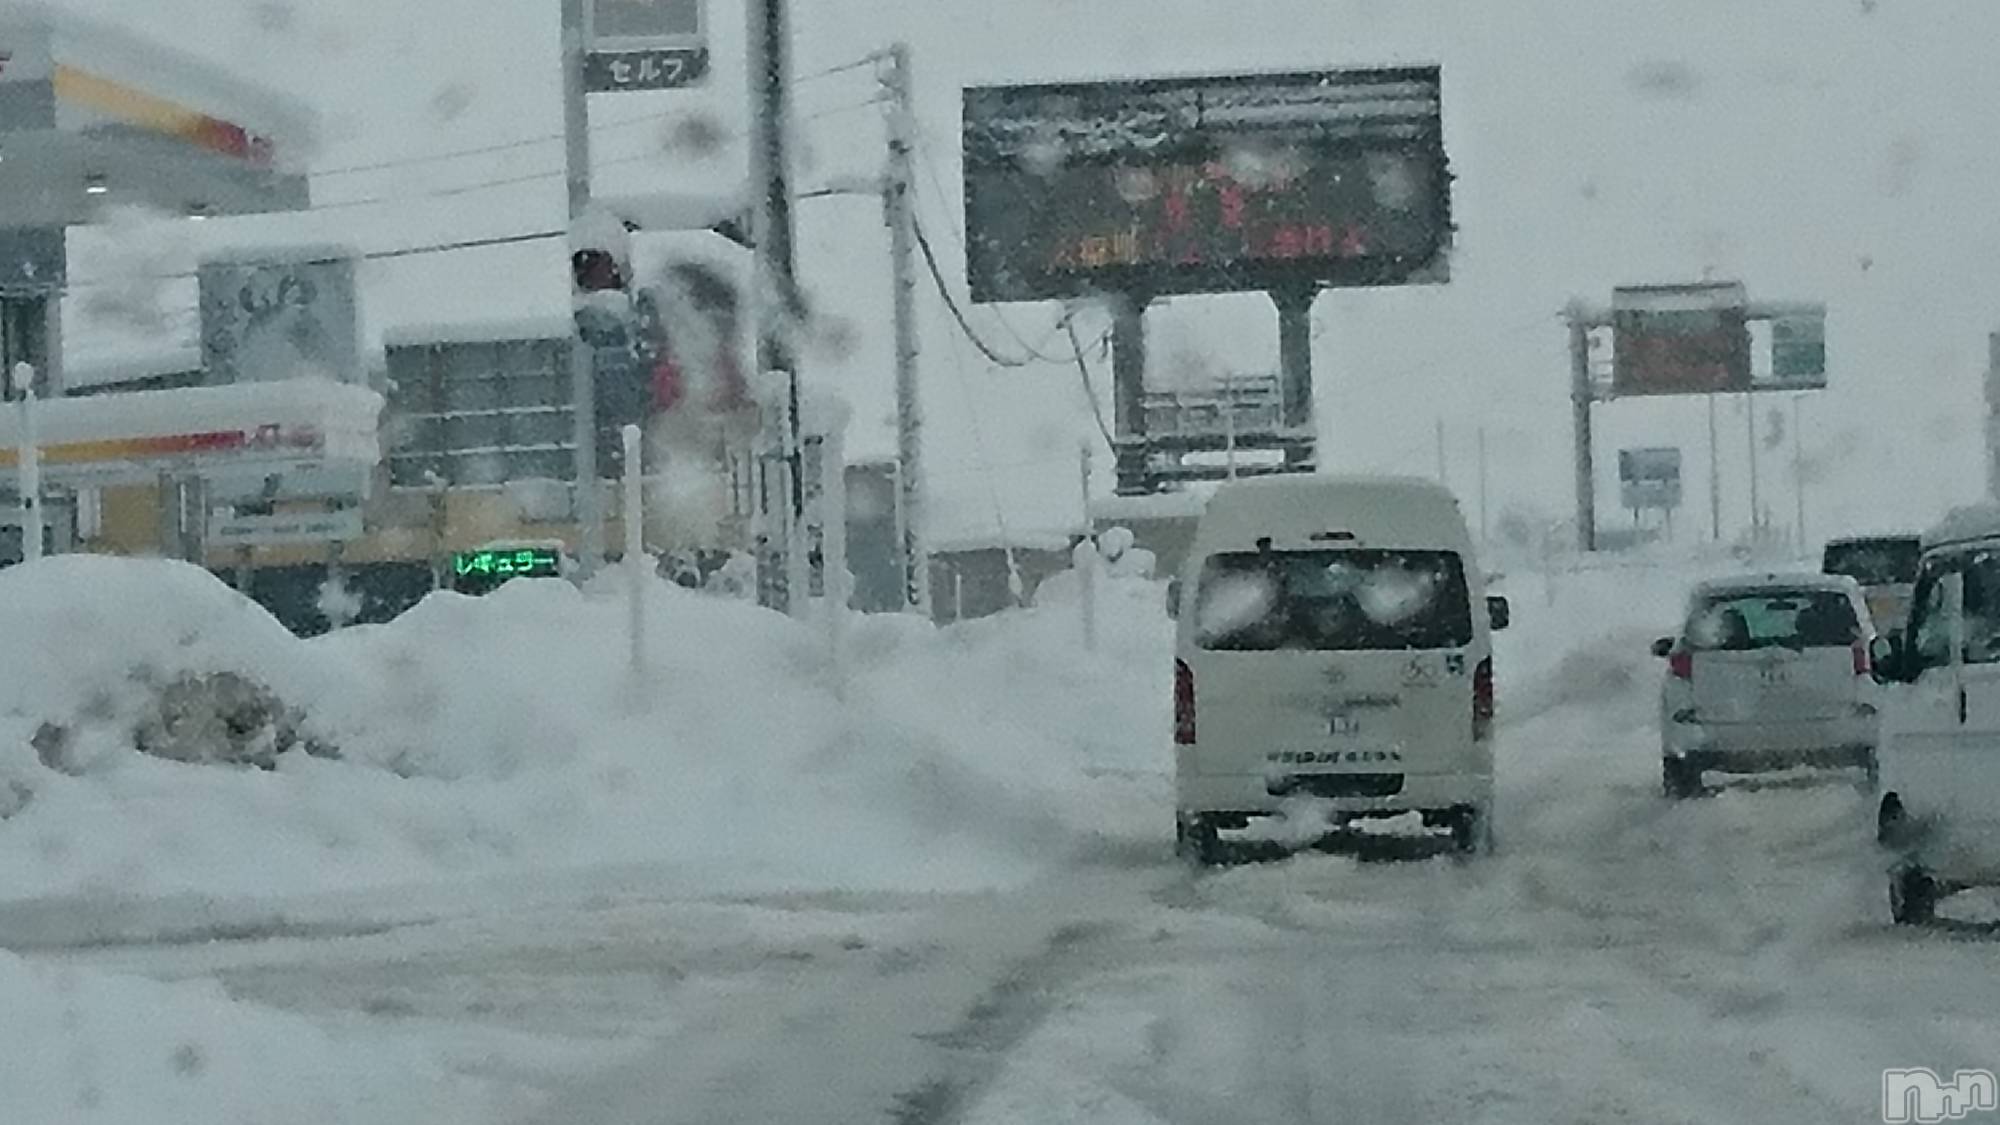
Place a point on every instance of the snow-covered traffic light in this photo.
(595, 270)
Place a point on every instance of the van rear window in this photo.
(1874, 562)
(1326, 601)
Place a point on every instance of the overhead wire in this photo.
(550, 138)
(1089, 391)
(985, 461)
(1034, 351)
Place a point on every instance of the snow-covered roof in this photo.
(670, 211)
(1775, 580)
(1184, 504)
(158, 71)
(1967, 522)
(96, 370)
(264, 249)
(549, 327)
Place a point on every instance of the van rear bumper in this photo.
(1262, 794)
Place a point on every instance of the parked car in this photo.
(1940, 803)
(1884, 565)
(1334, 641)
(1769, 672)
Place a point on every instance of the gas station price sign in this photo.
(522, 562)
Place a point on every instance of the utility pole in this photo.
(1756, 503)
(898, 203)
(1714, 478)
(1440, 450)
(30, 484)
(1085, 556)
(1579, 398)
(1483, 541)
(589, 502)
(770, 98)
(1798, 475)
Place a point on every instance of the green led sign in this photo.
(521, 562)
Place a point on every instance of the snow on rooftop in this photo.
(1970, 521)
(416, 334)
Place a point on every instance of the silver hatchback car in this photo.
(1769, 672)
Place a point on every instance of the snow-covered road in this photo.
(1622, 959)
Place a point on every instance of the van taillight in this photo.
(1862, 665)
(1482, 699)
(1680, 665)
(1183, 704)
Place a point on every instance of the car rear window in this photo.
(1739, 622)
(1874, 562)
(1323, 601)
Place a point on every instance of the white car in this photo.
(1940, 802)
(1769, 672)
(1333, 643)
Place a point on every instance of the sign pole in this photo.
(1086, 556)
(1799, 474)
(769, 68)
(898, 203)
(31, 466)
(1750, 430)
(589, 501)
(1714, 478)
(1579, 397)
(635, 551)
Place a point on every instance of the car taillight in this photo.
(1183, 704)
(1482, 699)
(1861, 663)
(1680, 665)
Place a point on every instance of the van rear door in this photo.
(1348, 661)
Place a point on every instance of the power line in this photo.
(484, 150)
(985, 461)
(1089, 391)
(369, 256)
(550, 138)
(937, 185)
(477, 186)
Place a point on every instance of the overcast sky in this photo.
(1831, 150)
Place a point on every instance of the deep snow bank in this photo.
(489, 735)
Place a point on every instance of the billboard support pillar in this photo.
(1580, 399)
(1128, 386)
(1295, 375)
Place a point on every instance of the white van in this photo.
(1940, 741)
(1334, 642)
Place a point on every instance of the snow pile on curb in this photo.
(480, 736)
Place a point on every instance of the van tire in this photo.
(1678, 780)
(1472, 830)
(1913, 895)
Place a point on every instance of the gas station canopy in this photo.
(91, 114)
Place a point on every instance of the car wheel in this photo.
(1892, 824)
(1912, 895)
(1678, 779)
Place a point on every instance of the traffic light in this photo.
(594, 270)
